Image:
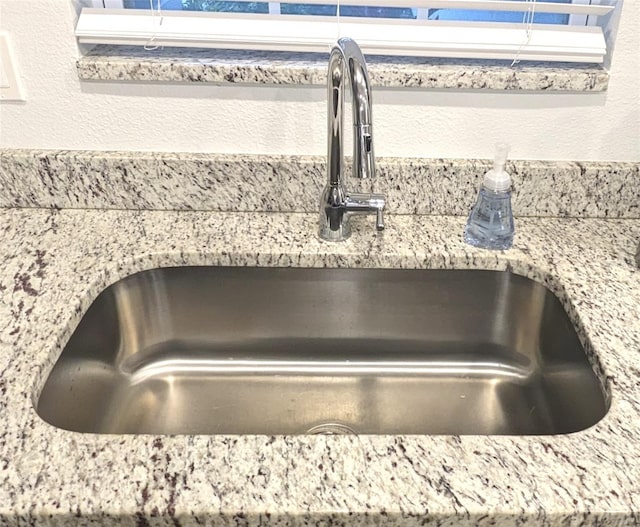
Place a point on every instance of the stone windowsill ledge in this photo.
(123, 63)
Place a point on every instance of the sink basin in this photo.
(223, 350)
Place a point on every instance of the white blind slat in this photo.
(375, 36)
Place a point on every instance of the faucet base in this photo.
(337, 208)
(341, 234)
(334, 221)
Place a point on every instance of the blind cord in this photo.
(150, 46)
(338, 20)
(527, 20)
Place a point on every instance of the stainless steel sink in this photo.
(215, 350)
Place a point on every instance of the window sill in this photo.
(118, 63)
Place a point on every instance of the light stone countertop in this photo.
(54, 262)
(218, 66)
(68, 179)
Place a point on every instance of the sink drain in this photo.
(330, 429)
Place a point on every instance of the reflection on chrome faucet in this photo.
(336, 202)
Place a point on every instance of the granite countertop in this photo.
(218, 66)
(54, 262)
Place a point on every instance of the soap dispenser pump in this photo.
(490, 224)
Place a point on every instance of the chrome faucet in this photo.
(336, 203)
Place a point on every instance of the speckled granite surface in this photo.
(53, 263)
(227, 66)
(64, 179)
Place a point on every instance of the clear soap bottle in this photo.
(490, 224)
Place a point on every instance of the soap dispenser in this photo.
(490, 224)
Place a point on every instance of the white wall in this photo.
(63, 113)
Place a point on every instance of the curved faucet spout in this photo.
(346, 60)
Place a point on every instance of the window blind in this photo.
(434, 37)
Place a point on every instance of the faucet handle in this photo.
(367, 204)
(380, 219)
(378, 203)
